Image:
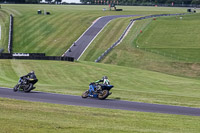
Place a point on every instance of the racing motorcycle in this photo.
(96, 90)
(26, 84)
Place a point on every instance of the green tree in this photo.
(32, 1)
(197, 2)
(58, 0)
(49, 1)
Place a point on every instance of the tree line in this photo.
(28, 1)
(143, 2)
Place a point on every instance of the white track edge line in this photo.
(83, 34)
(93, 40)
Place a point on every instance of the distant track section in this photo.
(127, 30)
(79, 47)
(90, 102)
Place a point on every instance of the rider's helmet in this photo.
(105, 77)
(32, 72)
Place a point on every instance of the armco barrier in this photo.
(116, 43)
(125, 31)
(5, 56)
(34, 56)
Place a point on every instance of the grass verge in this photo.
(31, 117)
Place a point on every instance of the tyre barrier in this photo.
(34, 56)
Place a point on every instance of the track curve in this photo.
(89, 102)
(78, 48)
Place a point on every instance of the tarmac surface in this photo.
(79, 47)
(92, 102)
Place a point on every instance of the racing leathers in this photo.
(30, 75)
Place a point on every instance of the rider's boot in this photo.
(91, 95)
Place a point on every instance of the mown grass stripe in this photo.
(4, 22)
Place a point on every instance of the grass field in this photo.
(4, 24)
(175, 61)
(173, 36)
(52, 34)
(124, 66)
(21, 116)
(130, 83)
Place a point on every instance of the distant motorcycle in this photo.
(26, 84)
(101, 91)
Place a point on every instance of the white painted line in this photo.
(83, 34)
(95, 37)
(93, 40)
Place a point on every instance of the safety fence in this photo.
(10, 37)
(34, 56)
(115, 44)
(126, 30)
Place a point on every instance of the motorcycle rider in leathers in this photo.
(30, 75)
(104, 80)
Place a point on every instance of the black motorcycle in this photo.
(26, 84)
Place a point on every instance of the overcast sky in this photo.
(68, 1)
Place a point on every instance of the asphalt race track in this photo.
(78, 48)
(90, 102)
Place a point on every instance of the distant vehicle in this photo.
(26, 84)
(101, 91)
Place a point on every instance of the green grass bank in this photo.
(21, 116)
(173, 36)
(124, 66)
(4, 25)
(177, 55)
(130, 83)
(52, 34)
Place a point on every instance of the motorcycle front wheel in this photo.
(103, 95)
(16, 88)
(85, 94)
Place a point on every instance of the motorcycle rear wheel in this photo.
(85, 94)
(103, 95)
(29, 88)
